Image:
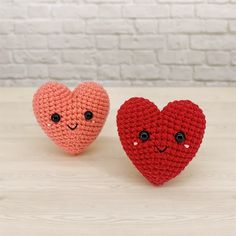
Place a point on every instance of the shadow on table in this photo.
(107, 154)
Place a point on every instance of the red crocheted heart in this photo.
(71, 119)
(160, 143)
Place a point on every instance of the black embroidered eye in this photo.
(180, 137)
(144, 135)
(88, 115)
(55, 117)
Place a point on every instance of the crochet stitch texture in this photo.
(74, 131)
(174, 136)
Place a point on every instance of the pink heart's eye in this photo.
(55, 117)
(88, 115)
(144, 135)
(180, 137)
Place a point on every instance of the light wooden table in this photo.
(45, 192)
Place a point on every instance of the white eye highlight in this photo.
(186, 146)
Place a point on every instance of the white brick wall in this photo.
(118, 42)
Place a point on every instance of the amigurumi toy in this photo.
(71, 119)
(160, 143)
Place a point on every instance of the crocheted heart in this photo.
(160, 143)
(71, 119)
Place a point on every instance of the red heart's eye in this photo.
(180, 137)
(144, 135)
(55, 117)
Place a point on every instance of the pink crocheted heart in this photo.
(71, 119)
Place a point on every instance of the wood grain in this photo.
(43, 191)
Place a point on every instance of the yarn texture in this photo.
(72, 119)
(160, 143)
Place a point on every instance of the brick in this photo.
(107, 42)
(35, 1)
(218, 58)
(13, 11)
(108, 1)
(107, 72)
(144, 1)
(36, 57)
(73, 1)
(74, 11)
(178, 41)
(164, 72)
(36, 41)
(146, 11)
(182, 11)
(234, 58)
(213, 42)
(142, 42)
(71, 41)
(146, 26)
(5, 56)
(181, 73)
(114, 57)
(204, 73)
(232, 26)
(73, 26)
(181, 1)
(12, 71)
(109, 26)
(216, 26)
(72, 72)
(143, 57)
(181, 57)
(219, 1)
(139, 72)
(217, 11)
(79, 57)
(109, 11)
(37, 71)
(6, 27)
(192, 26)
(39, 11)
(38, 27)
(12, 42)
